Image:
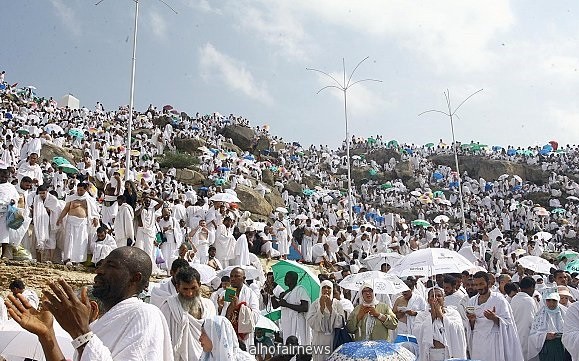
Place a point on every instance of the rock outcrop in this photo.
(253, 201)
(49, 151)
(490, 169)
(294, 188)
(189, 176)
(188, 145)
(241, 136)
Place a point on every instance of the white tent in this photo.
(69, 101)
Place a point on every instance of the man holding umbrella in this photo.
(294, 305)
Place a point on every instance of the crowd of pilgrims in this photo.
(501, 312)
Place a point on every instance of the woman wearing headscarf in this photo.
(547, 329)
(371, 319)
(324, 316)
(219, 341)
(439, 331)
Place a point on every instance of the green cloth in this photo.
(380, 331)
(553, 350)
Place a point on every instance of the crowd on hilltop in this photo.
(83, 206)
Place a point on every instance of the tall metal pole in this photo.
(350, 201)
(347, 83)
(132, 97)
(454, 146)
(450, 114)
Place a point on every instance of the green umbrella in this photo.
(308, 192)
(60, 161)
(68, 168)
(570, 255)
(274, 315)
(429, 145)
(306, 278)
(558, 210)
(387, 186)
(371, 140)
(23, 131)
(420, 222)
(438, 194)
(573, 266)
(76, 133)
(373, 171)
(392, 143)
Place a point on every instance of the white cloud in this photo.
(454, 35)
(67, 16)
(565, 123)
(203, 5)
(158, 25)
(232, 73)
(277, 25)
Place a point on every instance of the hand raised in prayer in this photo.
(491, 315)
(363, 312)
(72, 313)
(372, 311)
(32, 320)
(220, 301)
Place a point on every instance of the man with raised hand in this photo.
(129, 330)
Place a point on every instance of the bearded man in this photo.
(185, 313)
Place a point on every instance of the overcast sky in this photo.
(249, 58)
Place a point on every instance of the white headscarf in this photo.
(328, 284)
(225, 344)
(370, 320)
(374, 302)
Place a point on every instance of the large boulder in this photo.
(262, 144)
(241, 136)
(267, 177)
(49, 151)
(189, 176)
(382, 155)
(188, 145)
(490, 169)
(404, 170)
(253, 201)
(230, 147)
(162, 121)
(294, 188)
(274, 199)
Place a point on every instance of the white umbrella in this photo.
(545, 236)
(441, 218)
(356, 157)
(416, 193)
(503, 177)
(251, 273)
(375, 261)
(225, 197)
(382, 283)
(519, 252)
(542, 212)
(446, 202)
(53, 128)
(536, 264)
(17, 343)
(266, 324)
(572, 198)
(517, 178)
(207, 273)
(303, 217)
(431, 261)
(281, 210)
